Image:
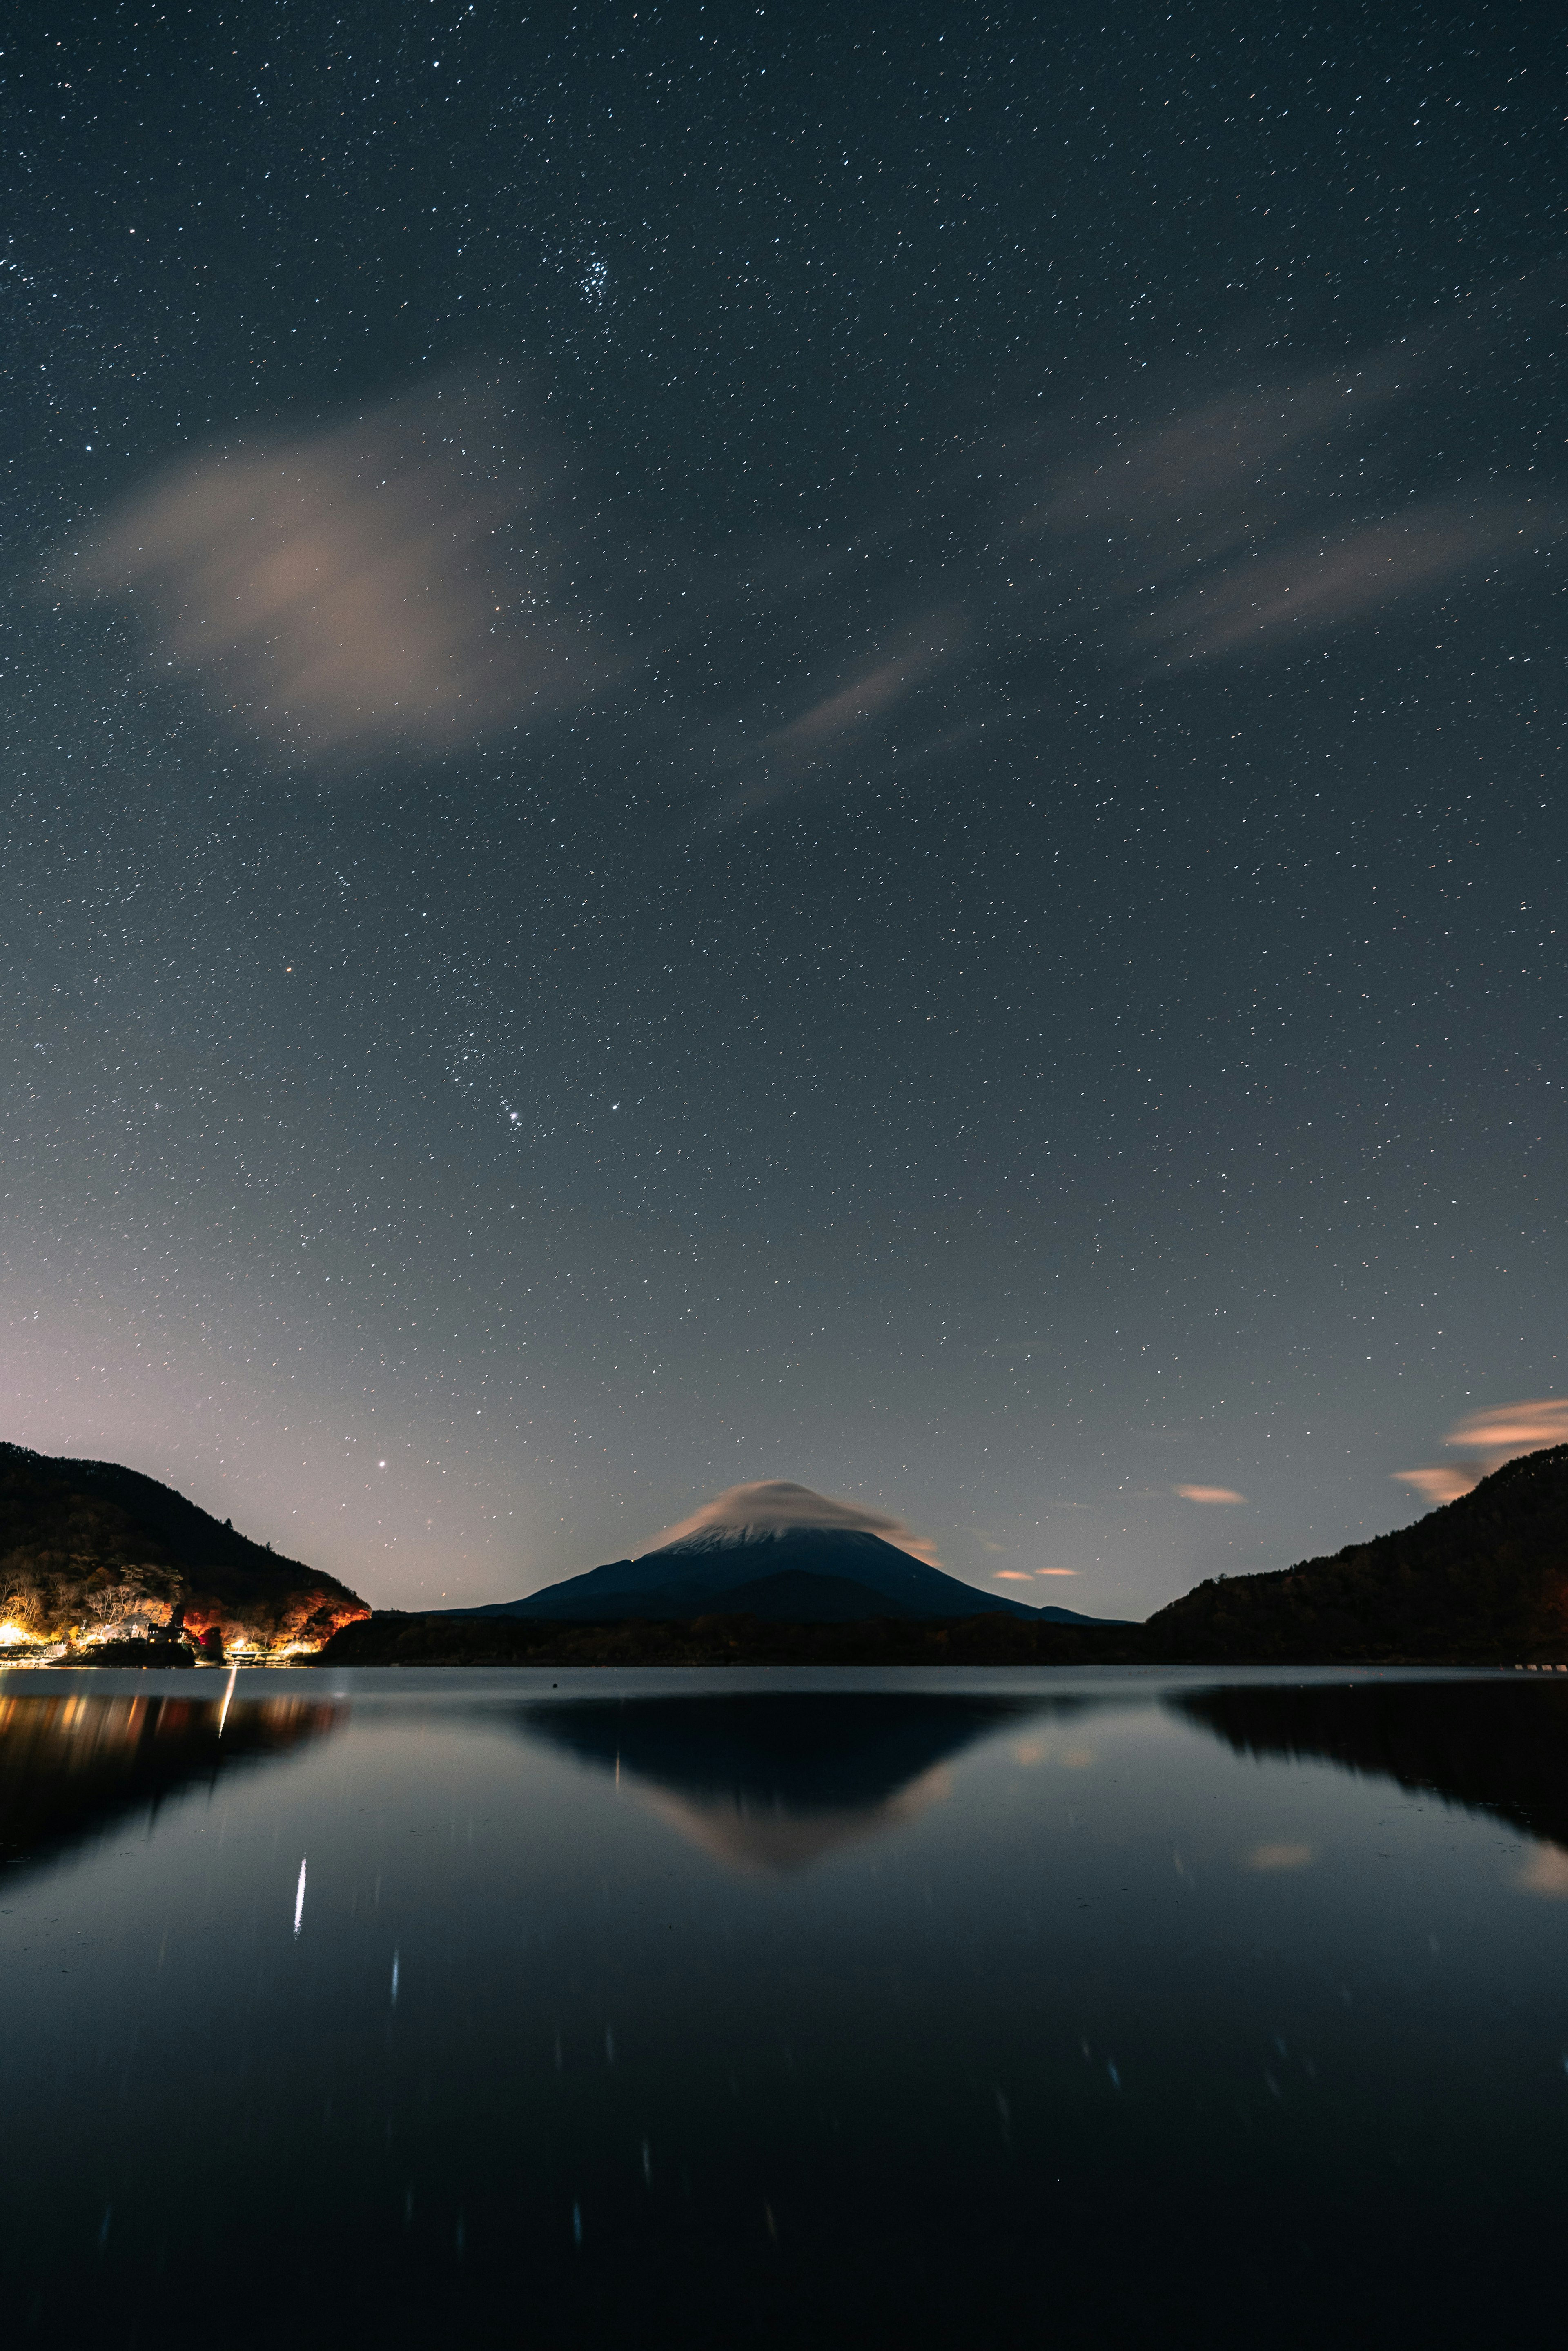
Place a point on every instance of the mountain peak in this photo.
(766, 1508)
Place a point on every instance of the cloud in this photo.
(836, 724)
(1490, 1439)
(1437, 1485)
(1056, 1571)
(1226, 528)
(768, 1504)
(1510, 1429)
(386, 582)
(1208, 1494)
(1010, 1575)
(1316, 581)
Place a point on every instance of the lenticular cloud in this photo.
(768, 1505)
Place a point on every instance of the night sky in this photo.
(794, 743)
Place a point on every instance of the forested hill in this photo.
(1483, 1580)
(82, 1542)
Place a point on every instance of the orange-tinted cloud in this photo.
(768, 1505)
(1209, 1494)
(382, 582)
(1490, 1439)
(1510, 1429)
(1437, 1485)
(1056, 1571)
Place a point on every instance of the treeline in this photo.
(1482, 1582)
(390, 1638)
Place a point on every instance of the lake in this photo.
(785, 2009)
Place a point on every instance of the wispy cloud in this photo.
(1438, 1485)
(1316, 581)
(1208, 1494)
(1260, 513)
(837, 722)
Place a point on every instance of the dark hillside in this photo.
(1483, 1580)
(82, 1542)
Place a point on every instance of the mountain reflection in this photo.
(1497, 1747)
(771, 1781)
(72, 1768)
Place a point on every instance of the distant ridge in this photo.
(1483, 1580)
(796, 1575)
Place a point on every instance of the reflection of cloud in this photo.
(355, 589)
(1490, 1439)
(1280, 1856)
(768, 1504)
(1546, 1871)
(1209, 1494)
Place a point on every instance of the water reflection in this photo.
(770, 1782)
(1497, 1746)
(1176, 1970)
(71, 1768)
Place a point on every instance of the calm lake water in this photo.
(833, 2007)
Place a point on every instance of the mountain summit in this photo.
(773, 1549)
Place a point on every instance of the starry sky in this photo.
(782, 743)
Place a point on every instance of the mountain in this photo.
(87, 1545)
(1483, 1580)
(800, 1575)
